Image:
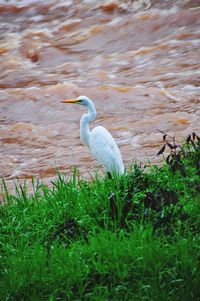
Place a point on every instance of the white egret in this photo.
(99, 140)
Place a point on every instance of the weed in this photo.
(129, 238)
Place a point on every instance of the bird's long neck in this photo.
(84, 124)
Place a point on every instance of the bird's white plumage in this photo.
(105, 150)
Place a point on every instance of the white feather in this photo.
(105, 150)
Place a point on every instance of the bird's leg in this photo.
(109, 175)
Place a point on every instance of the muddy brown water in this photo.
(138, 60)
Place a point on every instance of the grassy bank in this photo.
(133, 238)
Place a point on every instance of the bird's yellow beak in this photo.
(70, 100)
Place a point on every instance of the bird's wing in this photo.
(105, 150)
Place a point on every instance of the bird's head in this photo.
(81, 100)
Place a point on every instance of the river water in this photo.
(138, 60)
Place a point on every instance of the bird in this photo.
(99, 141)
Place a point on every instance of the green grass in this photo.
(133, 238)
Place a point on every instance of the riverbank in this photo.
(133, 238)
